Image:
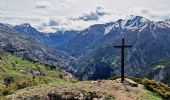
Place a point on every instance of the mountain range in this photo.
(24, 45)
(99, 59)
(90, 53)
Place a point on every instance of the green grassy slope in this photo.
(21, 70)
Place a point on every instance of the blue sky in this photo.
(52, 15)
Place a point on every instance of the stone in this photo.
(8, 81)
(131, 82)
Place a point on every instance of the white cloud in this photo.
(103, 15)
(53, 15)
(94, 14)
(158, 15)
(43, 4)
(53, 22)
(2, 9)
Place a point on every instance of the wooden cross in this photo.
(122, 47)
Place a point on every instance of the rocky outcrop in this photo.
(85, 90)
(75, 96)
(67, 76)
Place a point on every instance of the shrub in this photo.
(138, 80)
(25, 84)
(114, 77)
(3, 98)
(6, 91)
(160, 88)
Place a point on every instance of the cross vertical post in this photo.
(122, 47)
(122, 61)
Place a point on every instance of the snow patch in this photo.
(123, 23)
(108, 29)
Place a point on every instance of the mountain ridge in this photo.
(138, 31)
(92, 49)
(20, 44)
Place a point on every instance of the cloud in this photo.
(2, 8)
(159, 15)
(43, 5)
(52, 22)
(64, 5)
(75, 22)
(93, 15)
(47, 19)
(99, 15)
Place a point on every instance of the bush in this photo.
(16, 86)
(6, 91)
(138, 80)
(114, 78)
(160, 88)
(3, 98)
(25, 84)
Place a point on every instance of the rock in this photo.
(14, 64)
(8, 81)
(73, 96)
(52, 67)
(131, 83)
(98, 82)
(128, 82)
(23, 72)
(67, 76)
(37, 72)
(54, 96)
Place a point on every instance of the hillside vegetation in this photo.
(25, 73)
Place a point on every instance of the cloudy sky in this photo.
(53, 15)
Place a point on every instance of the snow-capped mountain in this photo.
(93, 47)
(167, 20)
(102, 32)
(98, 58)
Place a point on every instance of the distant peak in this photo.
(120, 20)
(4, 24)
(138, 19)
(25, 25)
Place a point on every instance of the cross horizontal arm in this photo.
(126, 46)
(118, 46)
